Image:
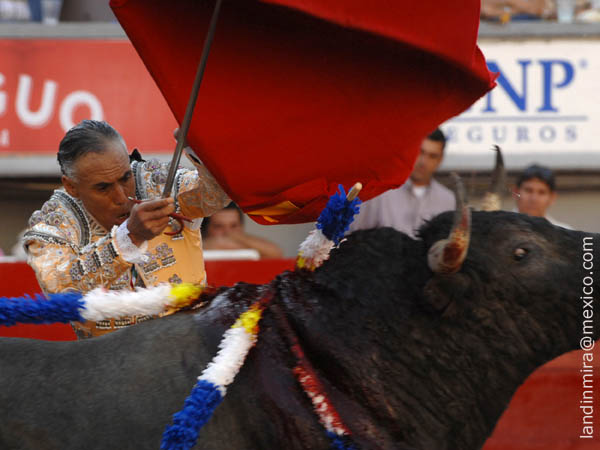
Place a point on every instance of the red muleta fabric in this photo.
(300, 96)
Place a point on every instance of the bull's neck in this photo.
(428, 382)
(476, 361)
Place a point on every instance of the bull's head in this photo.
(535, 275)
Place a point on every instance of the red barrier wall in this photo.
(544, 414)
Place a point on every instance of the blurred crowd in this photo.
(551, 10)
(47, 11)
(491, 10)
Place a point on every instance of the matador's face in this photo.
(103, 181)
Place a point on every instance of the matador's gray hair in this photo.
(85, 137)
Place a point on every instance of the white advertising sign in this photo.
(546, 103)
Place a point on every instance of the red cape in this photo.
(302, 95)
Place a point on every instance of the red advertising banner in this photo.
(47, 86)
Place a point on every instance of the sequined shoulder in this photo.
(61, 219)
(151, 176)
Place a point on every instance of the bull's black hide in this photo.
(410, 359)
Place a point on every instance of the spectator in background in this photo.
(536, 192)
(224, 230)
(417, 200)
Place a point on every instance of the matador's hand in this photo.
(149, 218)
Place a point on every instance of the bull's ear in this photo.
(442, 292)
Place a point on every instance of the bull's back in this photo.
(122, 389)
(115, 391)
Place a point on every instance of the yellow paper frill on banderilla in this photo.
(249, 320)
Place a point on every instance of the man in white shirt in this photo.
(417, 200)
(536, 192)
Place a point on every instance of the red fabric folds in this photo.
(302, 95)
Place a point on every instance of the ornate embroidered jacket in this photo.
(69, 249)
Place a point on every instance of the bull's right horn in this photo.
(447, 255)
(492, 200)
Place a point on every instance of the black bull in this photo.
(411, 359)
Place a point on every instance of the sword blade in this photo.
(187, 118)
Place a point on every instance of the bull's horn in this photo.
(492, 200)
(447, 255)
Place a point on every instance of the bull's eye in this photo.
(520, 253)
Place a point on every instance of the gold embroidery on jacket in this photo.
(69, 250)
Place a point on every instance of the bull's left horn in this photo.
(447, 255)
(492, 200)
